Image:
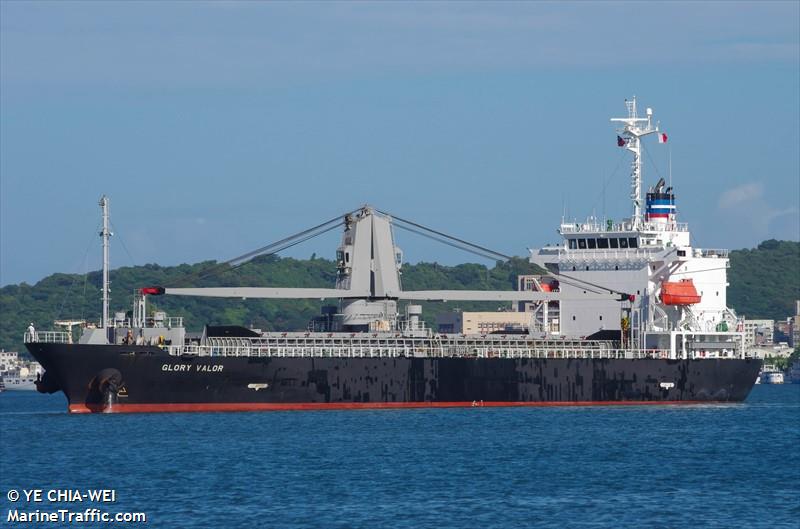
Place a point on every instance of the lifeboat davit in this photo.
(679, 292)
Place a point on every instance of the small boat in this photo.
(771, 375)
(15, 382)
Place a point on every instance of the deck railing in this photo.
(398, 346)
(47, 337)
(168, 321)
(592, 227)
(419, 351)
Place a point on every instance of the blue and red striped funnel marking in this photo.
(660, 207)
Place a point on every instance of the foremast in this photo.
(633, 129)
(105, 234)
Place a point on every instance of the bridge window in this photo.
(582, 244)
(632, 242)
(623, 242)
(602, 243)
(573, 244)
(592, 243)
(613, 242)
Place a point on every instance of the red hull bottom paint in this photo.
(246, 406)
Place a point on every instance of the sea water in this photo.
(713, 465)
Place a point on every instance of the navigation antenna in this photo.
(633, 129)
(105, 234)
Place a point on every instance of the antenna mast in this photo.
(633, 129)
(105, 234)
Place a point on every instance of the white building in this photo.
(8, 360)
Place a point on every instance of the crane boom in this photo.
(368, 268)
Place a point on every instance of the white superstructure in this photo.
(679, 300)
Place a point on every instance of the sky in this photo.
(219, 127)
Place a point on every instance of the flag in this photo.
(620, 142)
(662, 137)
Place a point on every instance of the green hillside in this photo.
(764, 282)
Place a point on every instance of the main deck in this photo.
(395, 345)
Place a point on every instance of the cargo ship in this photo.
(625, 313)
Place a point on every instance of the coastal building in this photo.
(8, 360)
(482, 322)
(758, 332)
(783, 330)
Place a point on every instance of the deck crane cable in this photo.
(270, 249)
(325, 227)
(586, 285)
(491, 254)
(447, 242)
(287, 242)
(482, 249)
(279, 249)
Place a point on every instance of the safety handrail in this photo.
(46, 337)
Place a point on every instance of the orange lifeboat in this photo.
(679, 293)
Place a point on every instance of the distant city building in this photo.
(482, 322)
(12, 364)
(795, 334)
(8, 359)
(783, 331)
(758, 332)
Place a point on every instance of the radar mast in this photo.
(633, 129)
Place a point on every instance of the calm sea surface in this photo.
(660, 466)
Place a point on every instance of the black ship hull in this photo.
(114, 378)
